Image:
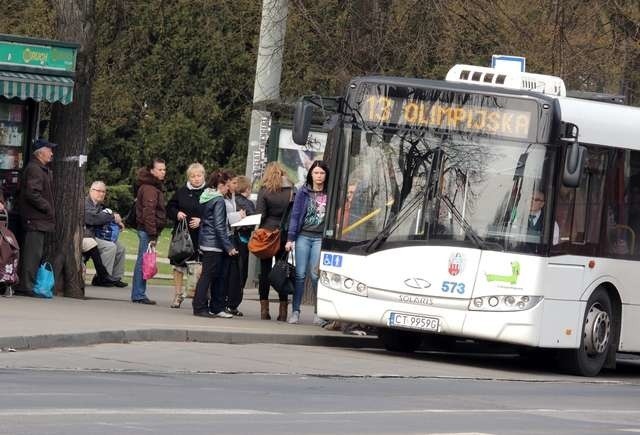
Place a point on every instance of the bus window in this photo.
(579, 211)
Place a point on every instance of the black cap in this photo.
(41, 143)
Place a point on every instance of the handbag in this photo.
(283, 275)
(181, 246)
(194, 270)
(149, 265)
(265, 243)
(109, 232)
(44, 283)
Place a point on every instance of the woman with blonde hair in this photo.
(185, 206)
(274, 198)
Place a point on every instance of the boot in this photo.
(264, 310)
(282, 314)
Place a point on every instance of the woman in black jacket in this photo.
(185, 205)
(216, 247)
(274, 198)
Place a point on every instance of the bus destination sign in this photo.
(465, 116)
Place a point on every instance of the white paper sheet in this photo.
(249, 221)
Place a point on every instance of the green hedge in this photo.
(120, 198)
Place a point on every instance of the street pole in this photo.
(267, 83)
(266, 88)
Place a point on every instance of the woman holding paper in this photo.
(274, 199)
(234, 291)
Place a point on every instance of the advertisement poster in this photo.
(297, 159)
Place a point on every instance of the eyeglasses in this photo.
(98, 190)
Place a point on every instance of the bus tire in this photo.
(397, 340)
(596, 340)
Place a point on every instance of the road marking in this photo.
(191, 411)
(474, 411)
(128, 411)
(629, 430)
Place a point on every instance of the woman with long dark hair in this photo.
(305, 231)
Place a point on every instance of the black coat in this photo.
(213, 231)
(245, 204)
(187, 201)
(273, 206)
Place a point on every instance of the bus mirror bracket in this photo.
(574, 158)
(302, 122)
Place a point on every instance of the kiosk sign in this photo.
(37, 56)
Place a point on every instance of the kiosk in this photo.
(31, 71)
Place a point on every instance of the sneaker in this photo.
(295, 317)
(224, 315)
(319, 321)
(234, 312)
(203, 314)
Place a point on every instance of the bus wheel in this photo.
(396, 340)
(597, 333)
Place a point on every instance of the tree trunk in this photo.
(75, 22)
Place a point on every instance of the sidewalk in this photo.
(108, 316)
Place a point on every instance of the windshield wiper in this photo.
(393, 223)
(466, 226)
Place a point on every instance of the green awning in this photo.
(36, 86)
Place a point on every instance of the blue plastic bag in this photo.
(43, 287)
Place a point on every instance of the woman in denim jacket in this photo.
(305, 231)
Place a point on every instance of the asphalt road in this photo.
(275, 389)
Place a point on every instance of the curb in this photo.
(45, 341)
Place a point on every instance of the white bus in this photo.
(488, 206)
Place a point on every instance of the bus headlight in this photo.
(504, 303)
(342, 283)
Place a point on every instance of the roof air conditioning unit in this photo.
(480, 75)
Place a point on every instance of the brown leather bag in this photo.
(264, 243)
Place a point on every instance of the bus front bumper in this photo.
(528, 327)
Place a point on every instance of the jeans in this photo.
(212, 277)
(139, 286)
(307, 257)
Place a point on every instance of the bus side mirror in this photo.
(574, 158)
(302, 122)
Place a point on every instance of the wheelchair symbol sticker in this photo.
(333, 260)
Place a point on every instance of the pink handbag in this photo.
(149, 266)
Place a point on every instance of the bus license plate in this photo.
(414, 322)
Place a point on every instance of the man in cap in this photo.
(35, 204)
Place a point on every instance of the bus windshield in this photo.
(418, 186)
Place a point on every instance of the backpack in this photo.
(130, 219)
(9, 254)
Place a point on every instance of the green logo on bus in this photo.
(511, 279)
